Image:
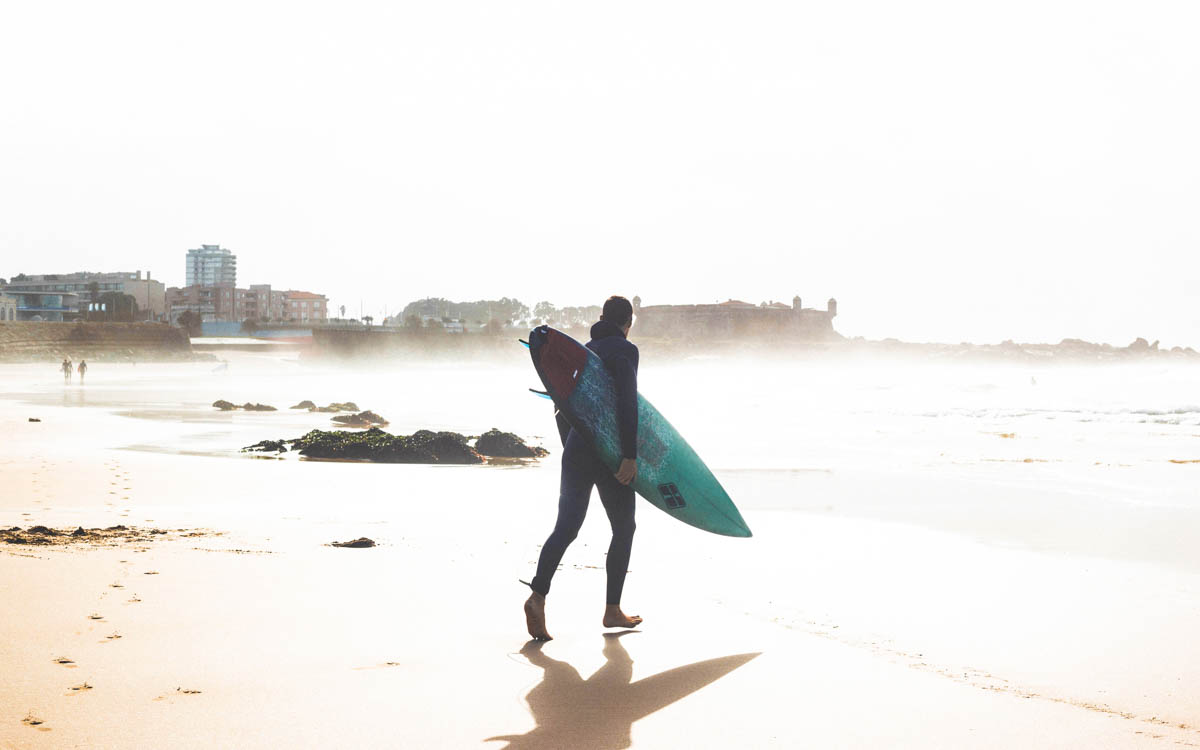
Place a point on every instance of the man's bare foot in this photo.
(535, 617)
(615, 618)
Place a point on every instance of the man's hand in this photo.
(627, 471)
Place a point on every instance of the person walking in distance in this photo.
(582, 470)
(82, 370)
(66, 371)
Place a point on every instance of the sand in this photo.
(243, 627)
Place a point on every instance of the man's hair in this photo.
(617, 311)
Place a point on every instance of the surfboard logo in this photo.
(671, 496)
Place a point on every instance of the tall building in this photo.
(211, 265)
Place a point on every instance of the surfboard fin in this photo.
(523, 341)
(543, 394)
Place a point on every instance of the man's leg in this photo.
(619, 504)
(575, 489)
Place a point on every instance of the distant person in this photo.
(582, 470)
(82, 370)
(66, 371)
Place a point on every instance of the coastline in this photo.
(872, 629)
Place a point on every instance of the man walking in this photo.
(582, 470)
(82, 370)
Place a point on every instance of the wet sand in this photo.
(826, 630)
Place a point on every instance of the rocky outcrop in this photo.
(506, 445)
(360, 543)
(422, 447)
(362, 419)
(336, 407)
(224, 405)
(306, 404)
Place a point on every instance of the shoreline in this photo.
(869, 617)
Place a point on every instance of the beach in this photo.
(944, 555)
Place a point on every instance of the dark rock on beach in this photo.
(267, 446)
(306, 404)
(224, 405)
(362, 419)
(359, 543)
(422, 447)
(335, 407)
(506, 445)
(34, 419)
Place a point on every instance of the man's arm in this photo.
(625, 375)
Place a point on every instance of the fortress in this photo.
(736, 319)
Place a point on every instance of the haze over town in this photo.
(947, 173)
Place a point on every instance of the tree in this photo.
(116, 307)
(190, 321)
(368, 319)
(545, 311)
(249, 325)
(342, 311)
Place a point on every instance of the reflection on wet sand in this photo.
(599, 712)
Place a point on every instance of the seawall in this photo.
(102, 342)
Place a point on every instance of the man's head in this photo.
(619, 312)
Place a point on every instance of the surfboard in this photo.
(670, 474)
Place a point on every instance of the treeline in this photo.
(503, 312)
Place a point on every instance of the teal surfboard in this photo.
(670, 474)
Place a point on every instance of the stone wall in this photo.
(721, 322)
(52, 342)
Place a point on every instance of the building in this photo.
(8, 308)
(305, 306)
(736, 319)
(227, 303)
(66, 296)
(211, 265)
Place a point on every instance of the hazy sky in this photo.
(947, 170)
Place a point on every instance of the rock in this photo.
(118, 527)
(422, 447)
(34, 419)
(326, 409)
(224, 405)
(257, 407)
(506, 445)
(1139, 345)
(79, 532)
(362, 419)
(304, 405)
(359, 543)
(346, 406)
(42, 530)
(267, 446)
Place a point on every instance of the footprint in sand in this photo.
(150, 573)
(68, 663)
(95, 617)
(113, 637)
(134, 600)
(80, 688)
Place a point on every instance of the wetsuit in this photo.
(582, 470)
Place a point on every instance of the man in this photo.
(582, 470)
(66, 371)
(82, 370)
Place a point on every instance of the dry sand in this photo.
(256, 633)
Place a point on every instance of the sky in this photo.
(948, 171)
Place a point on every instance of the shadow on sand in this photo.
(599, 712)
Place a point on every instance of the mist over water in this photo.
(1116, 429)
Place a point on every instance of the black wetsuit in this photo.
(582, 470)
